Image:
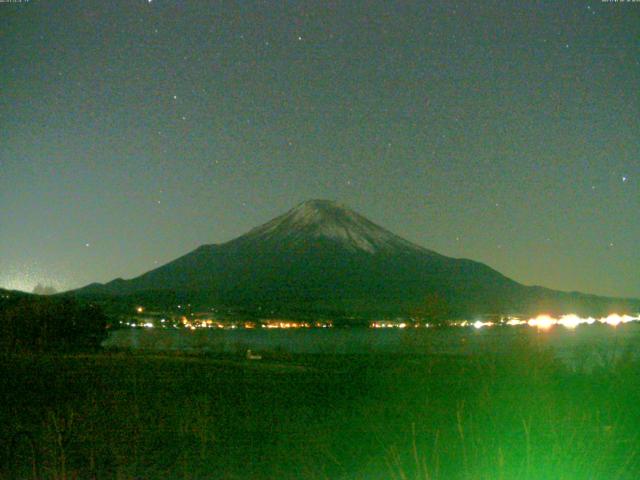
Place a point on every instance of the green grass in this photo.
(125, 416)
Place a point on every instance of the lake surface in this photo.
(587, 343)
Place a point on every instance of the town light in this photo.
(543, 322)
(570, 321)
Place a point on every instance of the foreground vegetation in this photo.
(36, 323)
(125, 416)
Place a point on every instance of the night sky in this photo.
(505, 132)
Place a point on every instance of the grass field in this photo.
(126, 416)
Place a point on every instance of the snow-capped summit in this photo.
(329, 220)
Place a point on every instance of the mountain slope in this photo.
(323, 257)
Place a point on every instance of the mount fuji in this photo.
(323, 258)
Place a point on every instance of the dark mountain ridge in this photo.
(321, 257)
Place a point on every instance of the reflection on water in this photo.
(596, 343)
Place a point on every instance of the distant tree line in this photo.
(36, 323)
(41, 289)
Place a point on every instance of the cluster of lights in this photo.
(388, 325)
(479, 324)
(285, 324)
(542, 322)
(200, 324)
(270, 324)
(194, 324)
(571, 321)
(208, 323)
(138, 324)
